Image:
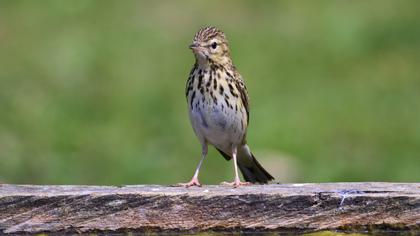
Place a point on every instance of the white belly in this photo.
(218, 126)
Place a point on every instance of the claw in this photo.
(236, 183)
(193, 182)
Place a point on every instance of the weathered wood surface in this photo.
(280, 208)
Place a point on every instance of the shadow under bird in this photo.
(218, 107)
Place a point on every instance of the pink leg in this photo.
(194, 181)
(237, 181)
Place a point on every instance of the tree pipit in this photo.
(218, 107)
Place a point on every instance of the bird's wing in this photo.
(226, 156)
(240, 85)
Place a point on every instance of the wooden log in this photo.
(380, 207)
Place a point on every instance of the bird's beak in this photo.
(194, 46)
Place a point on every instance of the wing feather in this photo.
(240, 85)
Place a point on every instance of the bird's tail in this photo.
(251, 169)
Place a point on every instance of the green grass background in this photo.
(92, 92)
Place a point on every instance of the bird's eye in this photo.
(214, 45)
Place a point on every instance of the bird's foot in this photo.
(193, 182)
(236, 183)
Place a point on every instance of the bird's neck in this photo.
(208, 64)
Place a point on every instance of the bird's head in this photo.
(210, 46)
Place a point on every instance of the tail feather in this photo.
(251, 169)
(255, 172)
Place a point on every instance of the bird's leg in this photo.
(194, 181)
(237, 181)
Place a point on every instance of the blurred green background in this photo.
(92, 92)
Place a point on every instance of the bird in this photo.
(218, 107)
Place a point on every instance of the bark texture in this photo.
(380, 207)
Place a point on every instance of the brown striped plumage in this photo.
(218, 106)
